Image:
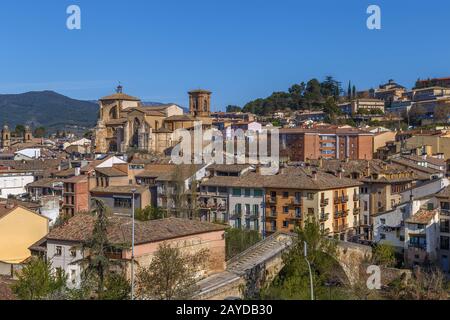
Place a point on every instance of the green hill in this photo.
(48, 109)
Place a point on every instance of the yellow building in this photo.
(19, 229)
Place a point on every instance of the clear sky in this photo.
(240, 50)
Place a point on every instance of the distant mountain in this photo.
(48, 109)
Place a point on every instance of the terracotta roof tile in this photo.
(80, 227)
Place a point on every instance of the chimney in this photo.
(314, 175)
(368, 168)
(9, 204)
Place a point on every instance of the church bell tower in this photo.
(200, 103)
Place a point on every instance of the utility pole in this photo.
(133, 192)
(310, 271)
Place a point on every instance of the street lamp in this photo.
(305, 246)
(133, 191)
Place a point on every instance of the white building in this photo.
(421, 238)
(27, 154)
(13, 182)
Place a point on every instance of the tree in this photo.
(354, 95)
(349, 91)
(442, 113)
(384, 255)
(117, 287)
(20, 130)
(239, 240)
(417, 112)
(233, 108)
(39, 132)
(96, 251)
(172, 274)
(293, 281)
(36, 281)
(423, 285)
(149, 213)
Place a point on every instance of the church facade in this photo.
(126, 123)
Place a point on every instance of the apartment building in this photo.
(360, 106)
(421, 238)
(443, 198)
(75, 195)
(298, 194)
(299, 144)
(232, 196)
(389, 92)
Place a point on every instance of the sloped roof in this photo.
(120, 96)
(80, 227)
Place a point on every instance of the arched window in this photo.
(113, 113)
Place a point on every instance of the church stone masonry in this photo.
(126, 123)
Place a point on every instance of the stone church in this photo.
(9, 139)
(126, 123)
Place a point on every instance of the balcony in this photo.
(341, 214)
(356, 197)
(272, 216)
(356, 211)
(337, 228)
(324, 217)
(252, 216)
(296, 217)
(324, 202)
(271, 201)
(344, 199)
(295, 203)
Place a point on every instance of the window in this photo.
(310, 196)
(73, 253)
(383, 221)
(73, 276)
(445, 226)
(258, 193)
(366, 206)
(298, 213)
(285, 210)
(212, 189)
(237, 192)
(256, 210)
(122, 203)
(445, 243)
(285, 195)
(238, 208)
(247, 192)
(223, 190)
(247, 209)
(298, 197)
(285, 224)
(382, 236)
(58, 251)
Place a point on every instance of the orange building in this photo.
(300, 144)
(299, 194)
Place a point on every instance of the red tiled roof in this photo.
(80, 227)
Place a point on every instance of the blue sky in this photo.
(241, 50)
